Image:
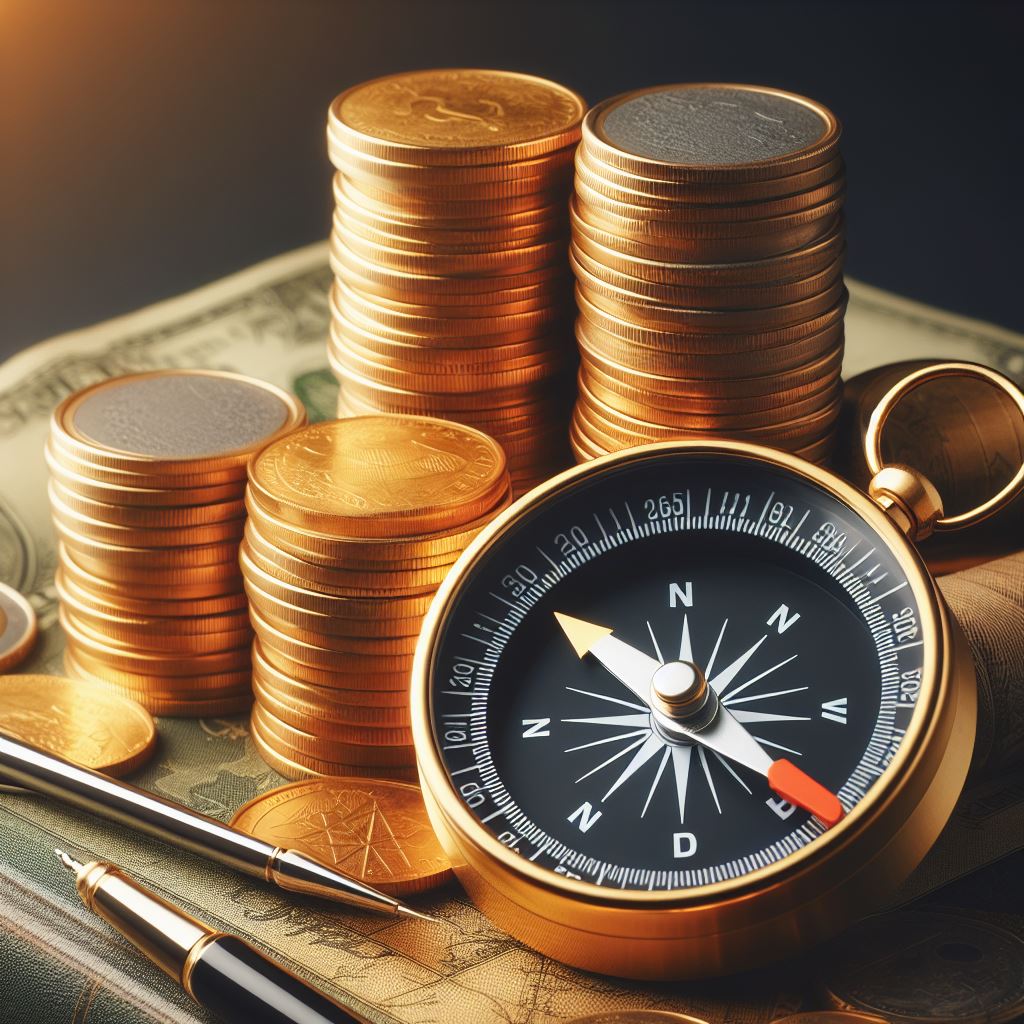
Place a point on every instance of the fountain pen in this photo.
(22, 764)
(220, 972)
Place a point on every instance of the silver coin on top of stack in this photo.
(708, 245)
(148, 475)
(452, 297)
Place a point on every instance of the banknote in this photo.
(271, 322)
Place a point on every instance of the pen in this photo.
(22, 764)
(221, 972)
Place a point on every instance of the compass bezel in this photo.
(764, 914)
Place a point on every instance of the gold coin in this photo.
(675, 362)
(444, 380)
(353, 163)
(80, 664)
(219, 579)
(164, 663)
(368, 754)
(426, 549)
(367, 570)
(297, 765)
(169, 626)
(100, 596)
(401, 282)
(319, 721)
(713, 321)
(138, 557)
(493, 263)
(378, 475)
(682, 210)
(138, 497)
(346, 583)
(176, 517)
(830, 1017)
(638, 1017)
(18, 628)
(474, 215)
(457, 116)
(372, 830)
(484, 212)
(635, 238)
(82, 722)
(328, 606)
(640, 132)
(368, 689)
(788, 266)
(367, 314)
(127, 640)
(141, 537)
(373, 671)
(541, 188)
(599, 174)
(168, 421)
(320, 702)
(637, 291)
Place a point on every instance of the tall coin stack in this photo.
(353, 524)
(452, 296)
(148, 475)
(708, 244)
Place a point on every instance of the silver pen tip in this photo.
(409, 912)
(68, 861)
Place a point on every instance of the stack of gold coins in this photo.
(452, 293)
(708, 244)
(353, 524)
(147, 488)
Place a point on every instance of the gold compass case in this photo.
(769, 913)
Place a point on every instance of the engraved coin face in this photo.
(711, 125)
(915, 967)
(177, 415)
(411, 470)
(831, 1017)
(374, 830)
(18, 628)
(458, 109)
(79, 721)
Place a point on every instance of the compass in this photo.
(691, 707)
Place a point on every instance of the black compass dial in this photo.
(735, 653)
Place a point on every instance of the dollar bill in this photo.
(271, 322)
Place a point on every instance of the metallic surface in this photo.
(24, 765)
(18, 628)
(721, 927)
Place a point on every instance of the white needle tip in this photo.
(582, 635)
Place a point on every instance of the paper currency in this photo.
(271, 322)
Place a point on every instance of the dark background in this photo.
(148, 146)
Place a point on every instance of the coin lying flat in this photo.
(638, 1017)
(378, 831)
(915, 967)
(79, 721)
(18, 628)
(830, 1017)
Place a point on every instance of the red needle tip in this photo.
(796, 786)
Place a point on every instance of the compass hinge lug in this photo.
(909, 498)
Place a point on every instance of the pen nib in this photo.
(69, 862)
(409, 912)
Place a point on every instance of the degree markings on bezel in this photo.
(732, 514)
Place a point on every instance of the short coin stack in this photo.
(708, 249)
(353, 524)
(147, 488)
(452, 295)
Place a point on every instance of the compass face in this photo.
(735, 648)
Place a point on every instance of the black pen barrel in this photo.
(241, 986)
